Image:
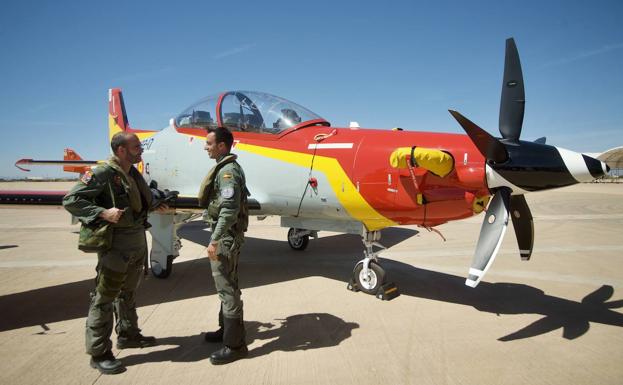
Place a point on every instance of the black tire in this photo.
(297, 243)
(376, 277)
(158, 272)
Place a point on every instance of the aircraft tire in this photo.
(297, 243)
(157, 270)
(376, 277)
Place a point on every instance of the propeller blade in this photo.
(491, 235)
(523, 224)
(490, 147)
(541, 140)
(513, 98)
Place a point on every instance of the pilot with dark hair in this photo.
(224, 194)
(115, 193)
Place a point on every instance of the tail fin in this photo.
(117, 117)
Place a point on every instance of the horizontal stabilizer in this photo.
(72, 162)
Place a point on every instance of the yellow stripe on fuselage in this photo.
(349, 198)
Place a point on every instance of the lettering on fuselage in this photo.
(147, 143)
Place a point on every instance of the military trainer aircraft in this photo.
(317, 177)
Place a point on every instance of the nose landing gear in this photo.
(368, 275)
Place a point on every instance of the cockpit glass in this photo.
(201, 114)
(246, 111)
(261, 112)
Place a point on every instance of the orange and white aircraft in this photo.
(317, 177)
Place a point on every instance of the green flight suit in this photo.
(119, 269)
(224, 193)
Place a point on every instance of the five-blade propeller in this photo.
(494, 150)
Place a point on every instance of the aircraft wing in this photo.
(31, 197)
(72, 162)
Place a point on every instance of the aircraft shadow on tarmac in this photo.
(297, 332)
(268, 261)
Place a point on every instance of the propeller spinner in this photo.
(515, 167)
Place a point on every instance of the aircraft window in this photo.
(199, 115)
(241, 114)
(202, 119)
(261, 112)
(232, 119)
(288, 118)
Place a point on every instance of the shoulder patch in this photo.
(86, 177)
(117, 180)
(227, 192)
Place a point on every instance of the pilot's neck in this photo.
(124, 164)
(221, 157)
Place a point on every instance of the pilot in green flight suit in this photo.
(116, 193)
(224, 193)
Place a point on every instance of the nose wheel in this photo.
(371, 280)
(368, 275)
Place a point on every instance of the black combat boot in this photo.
(107, 364)
(216, 336)
(137, 341)
(235, 346)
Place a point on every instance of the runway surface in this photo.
(553, 320)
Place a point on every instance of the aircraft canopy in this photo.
(247, 111)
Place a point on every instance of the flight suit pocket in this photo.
(224, 248)
(213, 209)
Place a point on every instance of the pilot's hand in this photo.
(212, 250)
(112, 215)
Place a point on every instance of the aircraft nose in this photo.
(596, 168)
(583, 167)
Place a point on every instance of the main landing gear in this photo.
(165, 243)
(298, 239)
(368, 275)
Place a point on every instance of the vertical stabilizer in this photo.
(117, 118)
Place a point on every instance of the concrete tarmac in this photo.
(553, 320)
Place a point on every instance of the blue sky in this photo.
(384, 64)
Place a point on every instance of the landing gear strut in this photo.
(165, 243)
(368, 275)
